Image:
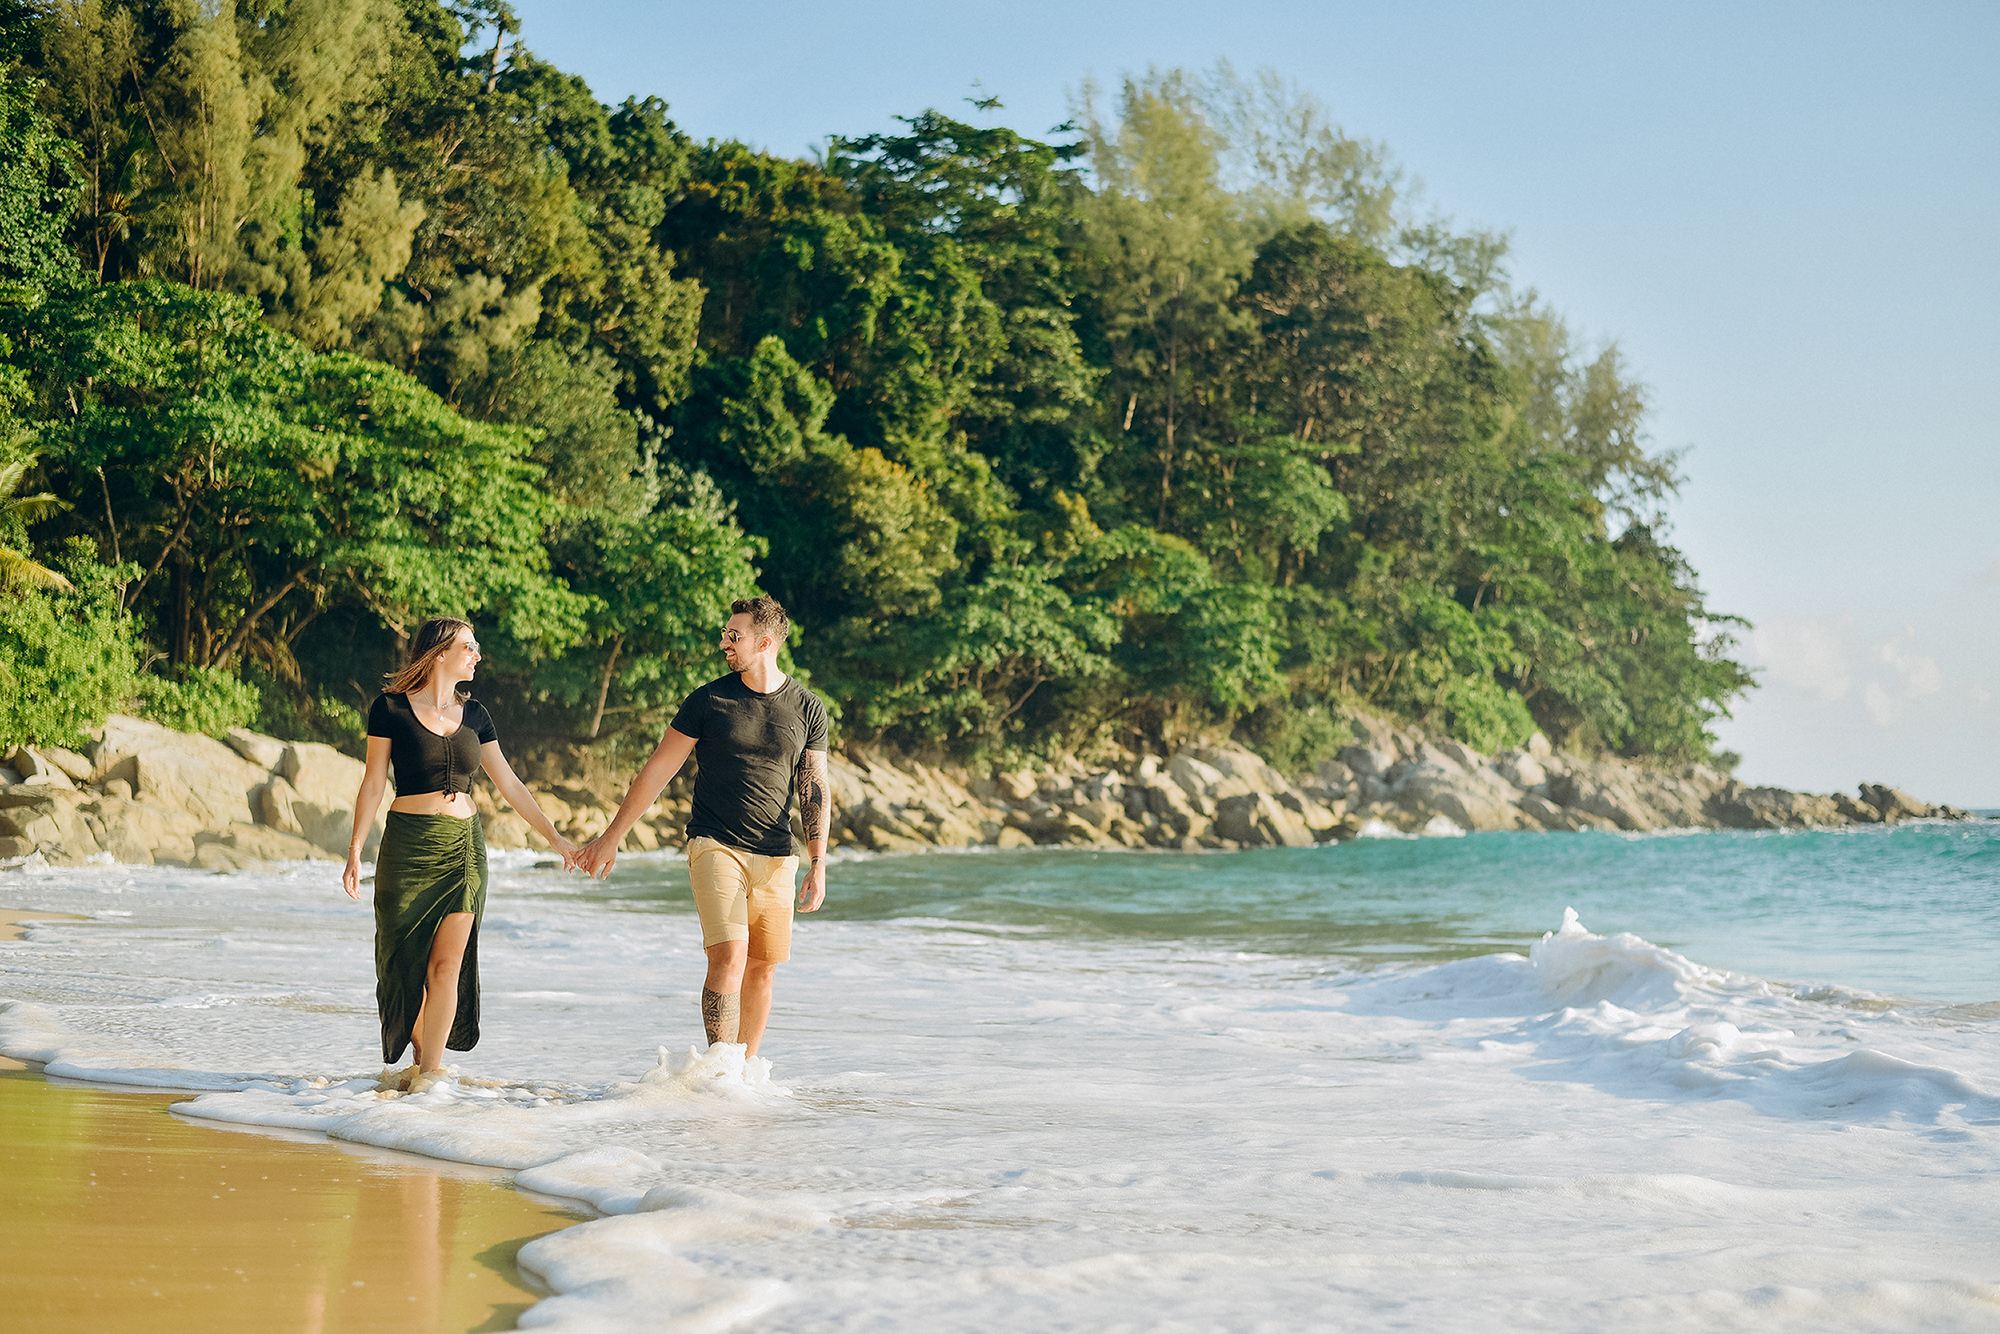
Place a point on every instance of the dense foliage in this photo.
(330, 314)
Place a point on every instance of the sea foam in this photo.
(973, 1128)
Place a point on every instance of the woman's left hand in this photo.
(568, 850)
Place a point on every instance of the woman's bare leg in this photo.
(440, 1005)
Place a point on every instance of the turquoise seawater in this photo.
(1911, 912)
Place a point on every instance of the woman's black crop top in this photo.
(423, 760)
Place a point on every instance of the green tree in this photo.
(246, 472)
(66, 655)
(1167, 246)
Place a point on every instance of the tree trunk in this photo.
(604, 686)
(251, 617)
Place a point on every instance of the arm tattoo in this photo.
(815, 809)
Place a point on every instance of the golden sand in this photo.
(117, 1215)
(13, 921)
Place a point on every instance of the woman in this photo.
(430, 872)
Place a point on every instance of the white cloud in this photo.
(1809, 654)
(1911, 676)
(1981, 696)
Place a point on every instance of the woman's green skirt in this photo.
(427, 867)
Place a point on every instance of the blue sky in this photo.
(1787, 214)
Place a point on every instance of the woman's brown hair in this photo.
(432, 639)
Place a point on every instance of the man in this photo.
(757, 736)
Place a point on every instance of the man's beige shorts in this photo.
(742, 896)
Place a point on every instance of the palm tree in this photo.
(17, 568)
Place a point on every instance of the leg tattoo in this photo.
(721, 1014)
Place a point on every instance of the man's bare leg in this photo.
(722, 991)
(757, 975)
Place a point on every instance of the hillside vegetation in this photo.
(325, 316)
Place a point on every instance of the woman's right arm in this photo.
(366, 802)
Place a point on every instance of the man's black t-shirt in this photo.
(747, 751)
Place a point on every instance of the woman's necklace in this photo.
(436, 710)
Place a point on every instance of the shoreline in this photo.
(122, 1214)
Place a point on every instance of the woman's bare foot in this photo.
(426, 1080)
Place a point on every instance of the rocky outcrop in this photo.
(146, 794)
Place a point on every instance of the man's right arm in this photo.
(668, 757)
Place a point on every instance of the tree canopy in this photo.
(324, 316)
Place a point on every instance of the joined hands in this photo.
(595, 858)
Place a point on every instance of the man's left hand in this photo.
(812, 890)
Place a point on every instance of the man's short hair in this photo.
(766, 616)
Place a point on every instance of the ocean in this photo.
(1698, 1081)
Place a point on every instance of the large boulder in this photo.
(1194, 778)
(1520, 768)
(1735, 806)
(1893, 804)
(1170, 804)
(243, 846)
(263, 751)
(1432, 782)
(1605, 792)
(1256, 819)
(197, 775)
(324, 784)
(32, 819)
(138, 833)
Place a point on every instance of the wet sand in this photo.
(115, 1214)
(14, 922)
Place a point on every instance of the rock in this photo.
(1193, 778)
(1738, 807)
(1019, 785)
(1333, 773)
(1366, 761)
(118, 787)
(1256, 819)
(195, 774)
(1010, 837)
(1554, 817)
(142, 833)
(1432, 783)
(325, 784)
(275, 804)
(35, 818)
(34, 769)
(1464, 756)
(249, 845)
(1539, 747)
(72, 765)
(1894, 804)
(505, 829)
(1855, 811)
(1606, 795)
(1520, 768)
(260, 750)
(1379, 735)
(1243, 764)
(1171, 805)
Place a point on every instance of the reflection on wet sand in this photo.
(114, 1214)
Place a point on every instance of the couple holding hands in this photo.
(758, 738)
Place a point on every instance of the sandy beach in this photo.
(120, 1215)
